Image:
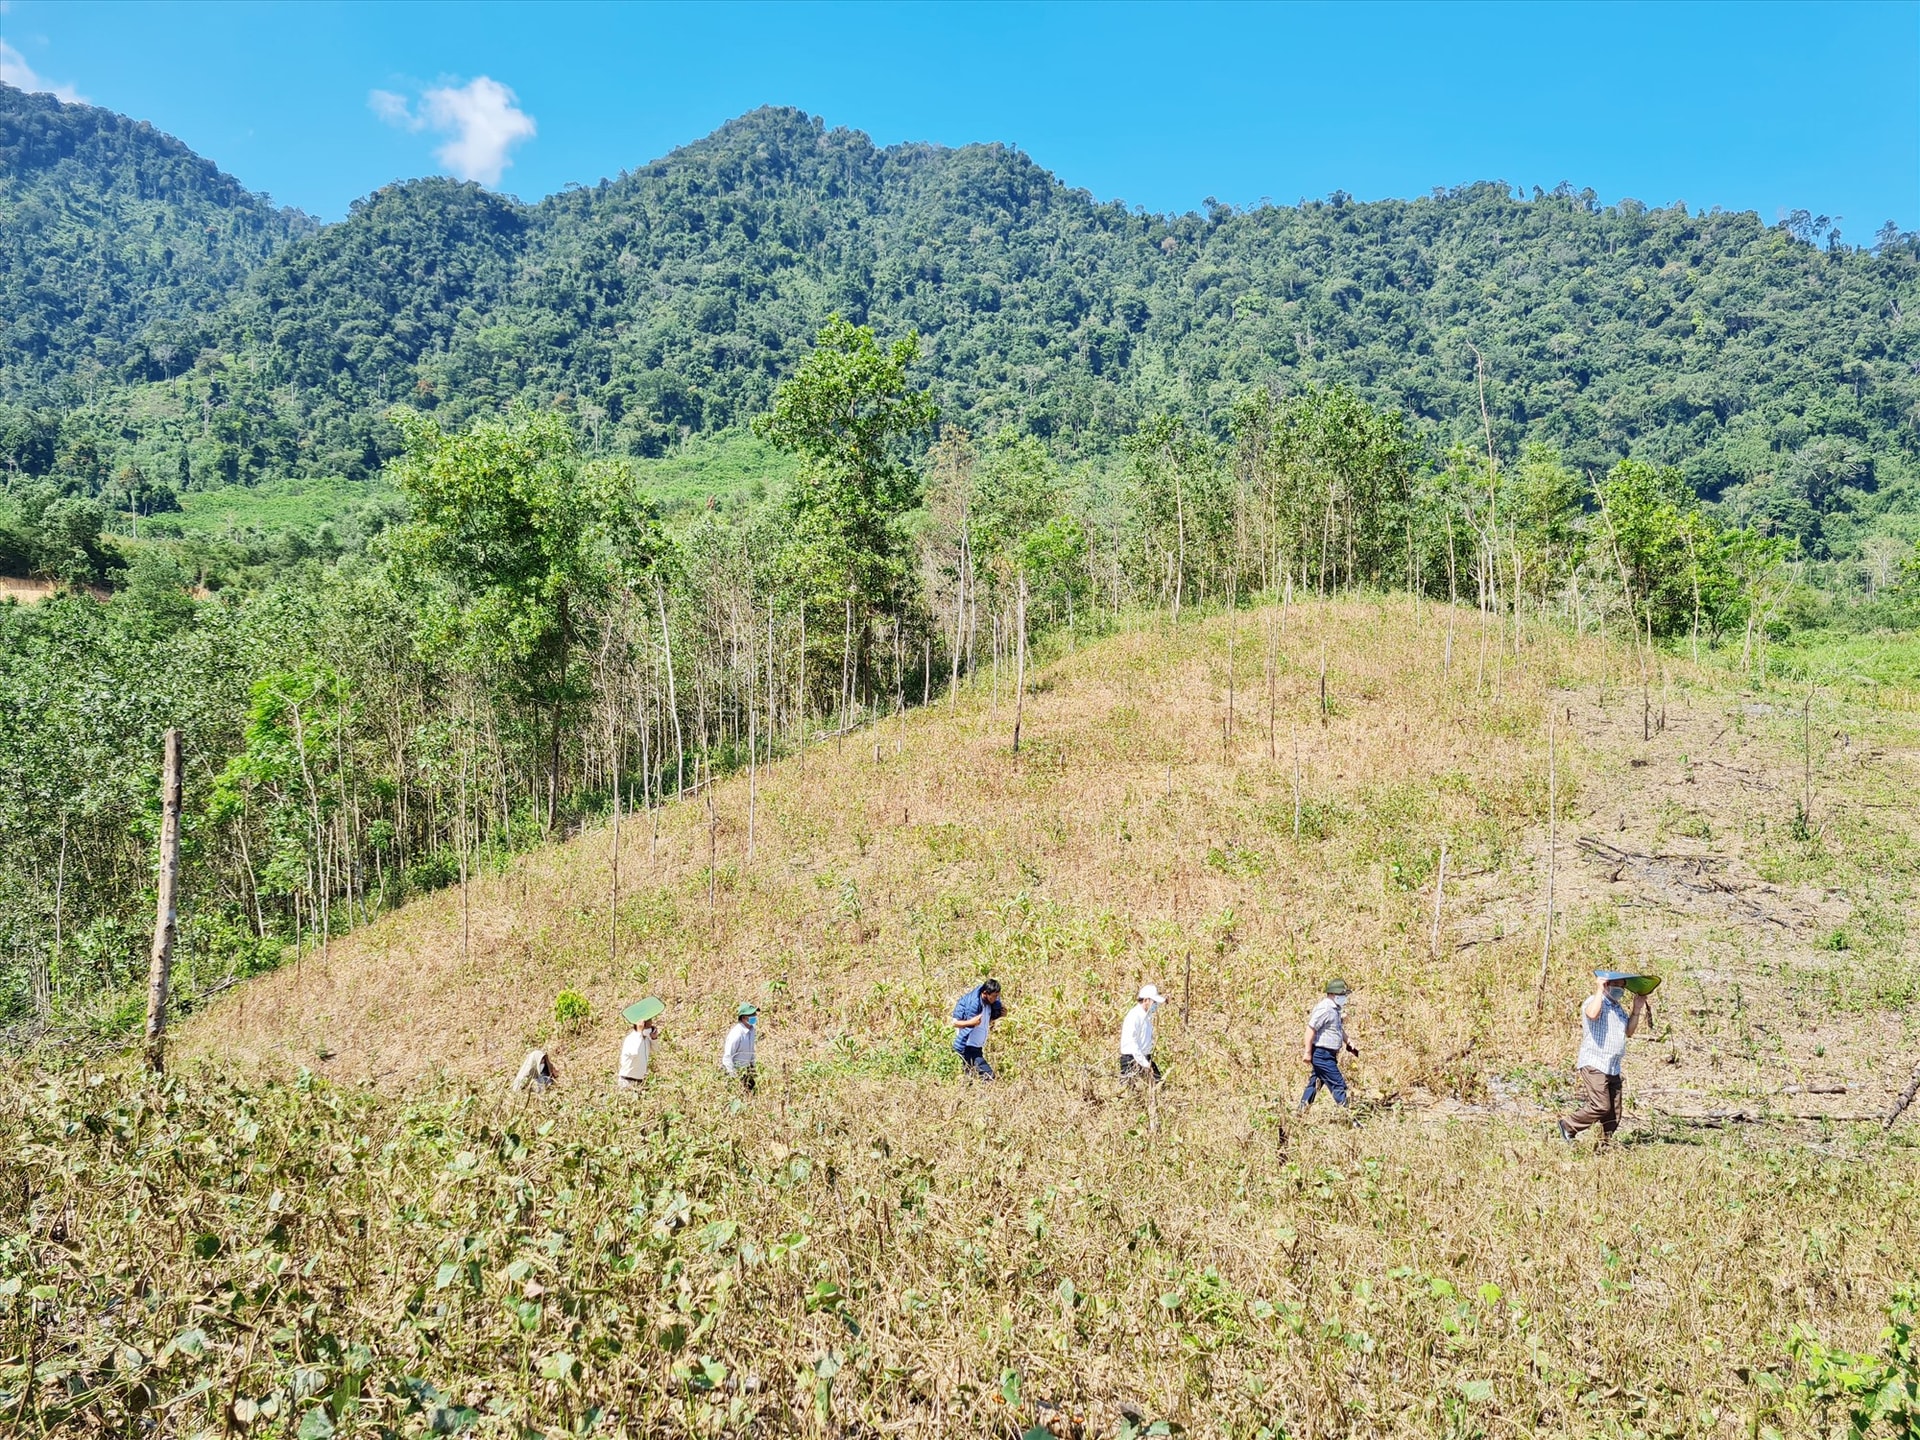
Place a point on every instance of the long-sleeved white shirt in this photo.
(1136, 1033)
(737, 1053)
(636, 1052)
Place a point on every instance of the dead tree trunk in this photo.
(1020, 662)
(166, 917)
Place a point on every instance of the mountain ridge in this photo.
(669, 300)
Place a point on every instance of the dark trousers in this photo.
(974, 1060)
(1131, 1068)
(1599, 1096)
(748, 1079)
(1326, 1071)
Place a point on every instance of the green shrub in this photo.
(570, 1009)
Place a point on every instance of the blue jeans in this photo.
(1326, 1071)
(973, 1059)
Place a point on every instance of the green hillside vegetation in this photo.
(119, 247)
(515, 633)
(1776, 373)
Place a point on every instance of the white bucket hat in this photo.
(1147, 992)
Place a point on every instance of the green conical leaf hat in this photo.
(642, 1011)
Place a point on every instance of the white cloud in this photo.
(393, 109)
(15, 71)
(482, 120)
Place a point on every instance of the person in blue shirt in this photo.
(973, 1018)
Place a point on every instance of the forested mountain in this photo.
(1778, 375)
(118, 247)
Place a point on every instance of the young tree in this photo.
(850, 413)
(511, 534)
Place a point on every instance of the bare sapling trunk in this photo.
(753, 761)
(166, 906)
(713, 833)
(1272, 690)
(1453, 595)
(1296, 786)
(846, 678)
(613, 879)
(1323, 684)
(673, 696)
(993, 702)
(1439, 899)
(462, 834)
(1020, 660)
(1806, 760)
(1553, 807)
(1233, 625)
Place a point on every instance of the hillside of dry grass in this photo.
(332, 1208)
(1135, 838)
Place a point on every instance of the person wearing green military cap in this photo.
(636, 1050)
(736, 1052)
(1326, 1037)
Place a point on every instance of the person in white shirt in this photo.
(636, 1050)
(538, 1073)
(736, 1053)
(1609, 1015)
(1326, 1037)
(1136, 1036)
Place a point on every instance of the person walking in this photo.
(538, 1074)
(736, 1053)
(1607, 1019)
(973, 1017)
(636, 1050)
(1136, 1036)
(1326, 1038)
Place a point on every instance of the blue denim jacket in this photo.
(969, 1007)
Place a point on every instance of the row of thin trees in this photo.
(533, 650)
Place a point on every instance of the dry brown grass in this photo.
(1126, 840)
(1442, 1268)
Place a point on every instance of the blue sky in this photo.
(1764, 107)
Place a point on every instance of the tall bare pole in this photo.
(166, 918)
(1553, 805)
(1020, 662)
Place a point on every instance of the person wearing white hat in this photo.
(1136, 1036)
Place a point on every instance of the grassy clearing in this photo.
(272, 507)
(333, 1208)
(719, 469)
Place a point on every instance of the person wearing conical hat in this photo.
(736, 1052)
(1326, 1037)
(1136, 1036)
(1616, 1009)
(636, 1050)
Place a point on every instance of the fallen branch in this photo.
(1906, 1099)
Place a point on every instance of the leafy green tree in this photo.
(511, 535)
(1645, 510)
(1182, 506)
(850, 413)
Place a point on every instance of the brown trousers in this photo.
(1599, 1102)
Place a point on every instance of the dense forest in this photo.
(987, 413)
(1778, 373)
(120, 244)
